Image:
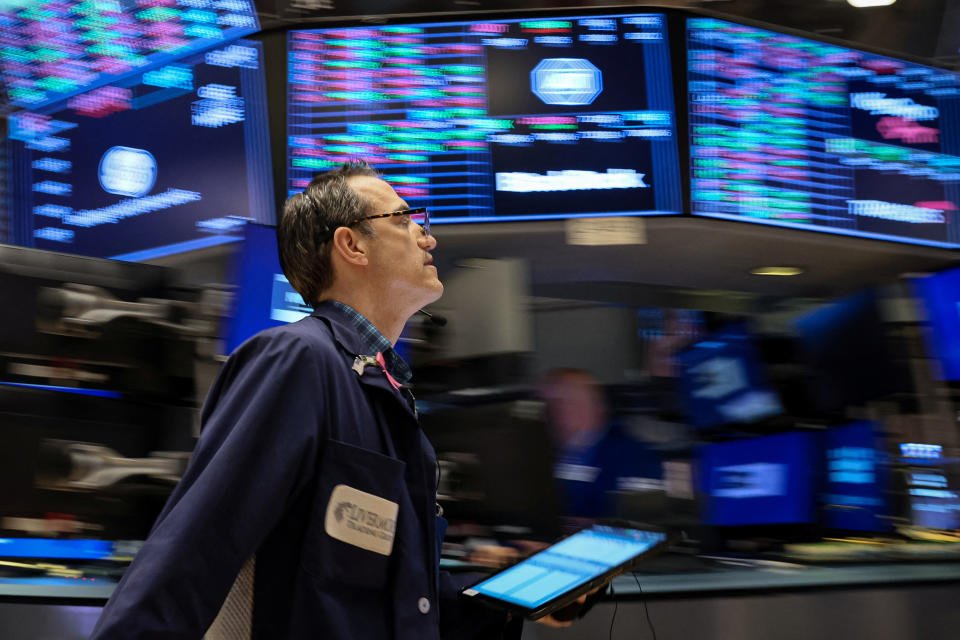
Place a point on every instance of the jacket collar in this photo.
(344, 332)
(346, 336)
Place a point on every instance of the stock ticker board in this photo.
(794, 132)
(174, 159)
(498, 120)
(51, 50)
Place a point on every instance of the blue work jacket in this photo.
(288, 420)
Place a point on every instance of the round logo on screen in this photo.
(126, 171)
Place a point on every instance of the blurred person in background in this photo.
(311, 495)
(596, 457)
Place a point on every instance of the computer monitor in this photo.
(934, 503)
(939, 296)
(722, 381)
(55, 49)
(857, 485)
(798, 133)
(932, 499)
(531, 117)
(170, 160)
(760, 481)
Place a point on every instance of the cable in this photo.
(646, 610)
(616, 604)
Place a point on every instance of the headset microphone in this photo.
(435, 319)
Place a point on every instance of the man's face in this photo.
(399, 259)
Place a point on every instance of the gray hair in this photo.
(308, 221)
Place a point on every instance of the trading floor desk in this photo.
(687, 599)
(690, 599)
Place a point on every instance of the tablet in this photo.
(561, 573)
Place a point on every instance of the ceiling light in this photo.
(860, 4)
(776, 271)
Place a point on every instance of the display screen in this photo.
(768, 480)
(722, 381)
(940, 296)
(173, 159)
(48, 548)
(54, 49)
(933, 503)
(567, 565)
(499, 120)
(264, 296)
(857, 479)
(795, 132)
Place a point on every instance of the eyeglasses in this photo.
(419, 216)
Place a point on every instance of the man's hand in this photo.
(552, 621)
(498, 556)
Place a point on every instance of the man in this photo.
(597, 460)
(312, 472)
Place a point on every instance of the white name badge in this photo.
(361, 519)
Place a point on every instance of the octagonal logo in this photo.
(573, 81)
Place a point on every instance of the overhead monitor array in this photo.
(800, 133)
(493, 120)
(526, 118)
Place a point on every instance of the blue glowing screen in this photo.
(940, 296)
(722, 381)
(176, 158)
(767, 480)
(794, 132)
(47, 548)
(857, 479)
(264, 297)
(499, 120)
(567, 565)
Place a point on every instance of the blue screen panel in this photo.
(173, 159)
(264, 297)
(51, 50)
(857, 481)
(722, 381)
(940, 296)
(799, 133)
(568, 564)
(47, 548)
(768, 480)
(499, 120)
(933, 503)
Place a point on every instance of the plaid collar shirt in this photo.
(376, 342)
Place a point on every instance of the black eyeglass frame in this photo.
(425, 227)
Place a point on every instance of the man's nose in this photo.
(428, 242)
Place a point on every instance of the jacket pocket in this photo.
(351, 533)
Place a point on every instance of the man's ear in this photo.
(350, 245)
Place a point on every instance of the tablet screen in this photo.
(566, 565)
